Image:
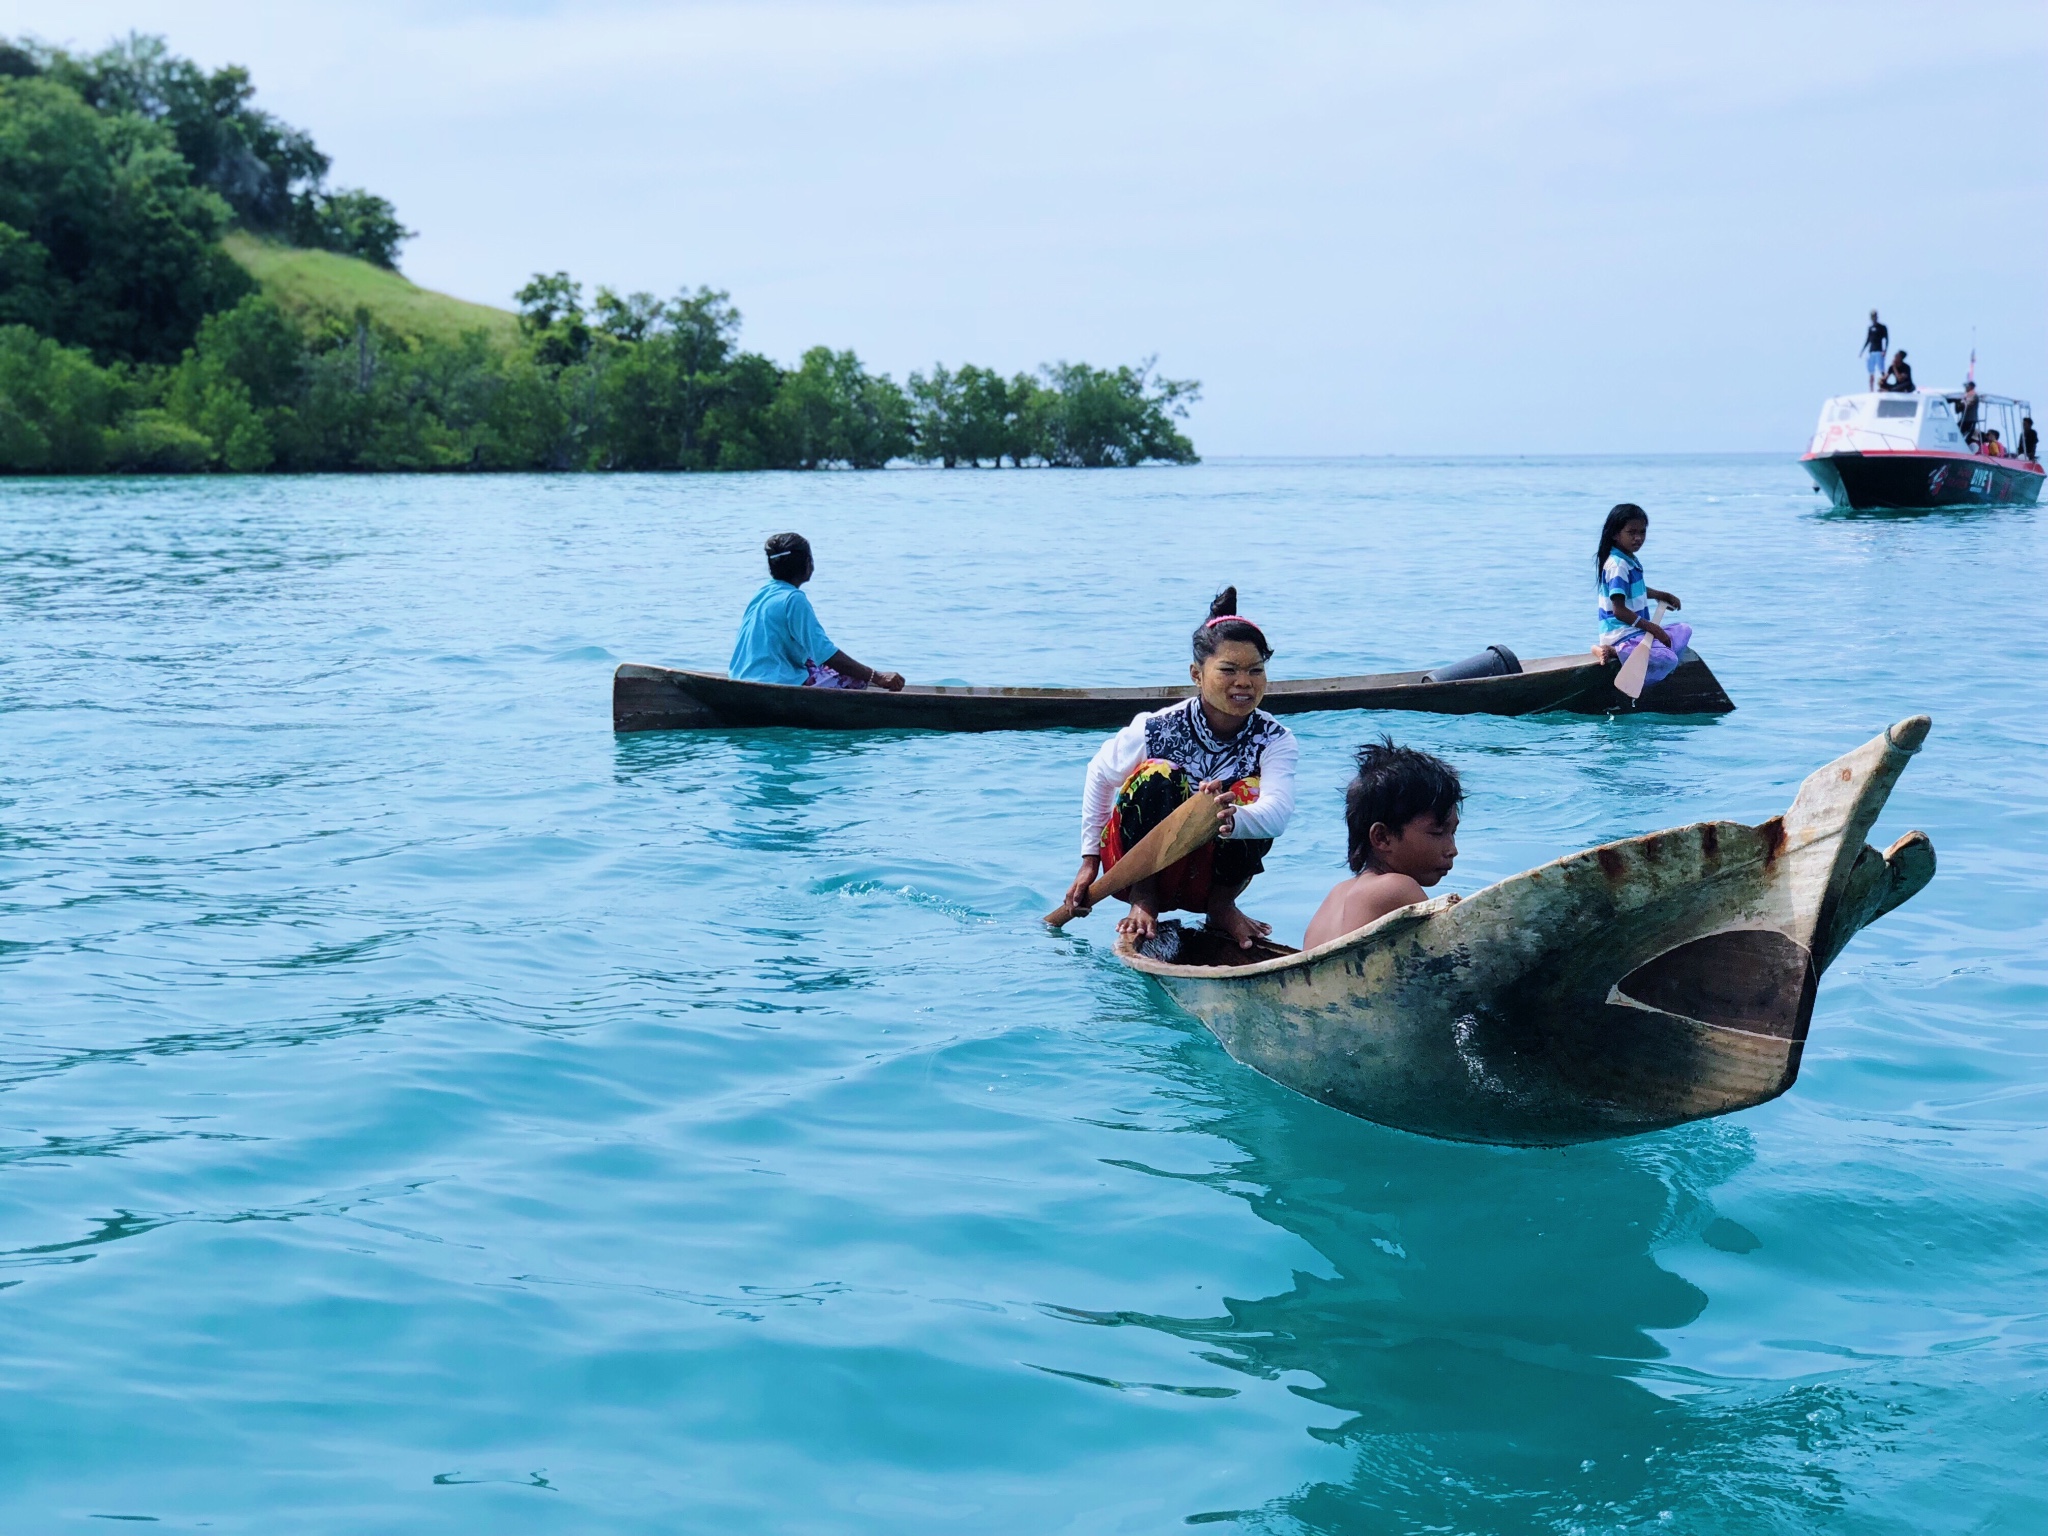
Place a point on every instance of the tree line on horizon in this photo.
(131, 342)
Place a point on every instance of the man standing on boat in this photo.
(1875, 341)
(781, 640)
(1966, 412)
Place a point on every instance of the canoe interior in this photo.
(1193, 944)
(666, 698)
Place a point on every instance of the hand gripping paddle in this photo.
(1168, 843)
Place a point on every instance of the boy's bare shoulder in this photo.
(1388, 892)
(1358, 901)
(1333, 917)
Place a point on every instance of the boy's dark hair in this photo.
(789, 555)
(1224, 624)
(1622, 514)
(1395, 785)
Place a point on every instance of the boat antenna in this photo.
(1971, 376)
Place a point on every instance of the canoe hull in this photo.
(1626, 989)
(668, 698)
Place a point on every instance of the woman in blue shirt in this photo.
(781, 640)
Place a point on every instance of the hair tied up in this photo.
(788, 554)
(1225, 623)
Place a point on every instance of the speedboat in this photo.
(1908, 450)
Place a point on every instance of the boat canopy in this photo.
(1995, 413)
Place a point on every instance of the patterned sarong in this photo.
(818, 675)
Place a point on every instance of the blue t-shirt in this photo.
(1621, 576)
(779, 632)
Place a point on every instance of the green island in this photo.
(181, 292)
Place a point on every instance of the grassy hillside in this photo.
(316, 284)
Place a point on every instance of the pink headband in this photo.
(1230, 618)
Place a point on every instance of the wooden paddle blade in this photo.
(1187, 829)
(1634, 671)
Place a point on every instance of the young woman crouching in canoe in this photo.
(1218, 743)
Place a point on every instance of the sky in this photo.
(1415, 229)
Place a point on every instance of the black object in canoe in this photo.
(670, 699)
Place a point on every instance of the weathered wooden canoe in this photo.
(670, 699)
(1624, 989)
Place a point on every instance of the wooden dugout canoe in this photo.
(1628, 988)
(671, 699)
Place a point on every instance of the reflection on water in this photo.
(1960, 512)
(774, 778)
(1488, 1325)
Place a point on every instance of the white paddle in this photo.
(1629, 680)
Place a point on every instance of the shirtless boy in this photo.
(1402, 815)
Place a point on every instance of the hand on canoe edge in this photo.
(891, 682)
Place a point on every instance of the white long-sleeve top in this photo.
(1264, 750)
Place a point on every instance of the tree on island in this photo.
(269, 173)
(104, 241)
(1071, 416)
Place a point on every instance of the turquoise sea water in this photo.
(426, 1112)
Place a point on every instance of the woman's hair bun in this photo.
(1214, 630)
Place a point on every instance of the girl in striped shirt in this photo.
(1625, 600)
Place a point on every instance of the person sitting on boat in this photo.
(1401, 814)
(781, 640)
(1217, 743)
(1991, 446)
(1898, 379)
(1625, 620)
(2030, 440)
(1875, 340)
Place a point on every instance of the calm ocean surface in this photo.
(426, 1112)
